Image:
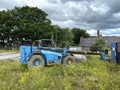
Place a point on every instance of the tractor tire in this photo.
(36, 60)
(69, 60)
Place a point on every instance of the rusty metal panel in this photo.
(118, 52)
(118, 47)
(118, 58)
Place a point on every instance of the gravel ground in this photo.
(16, 56)
(9, 55)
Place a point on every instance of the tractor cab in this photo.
(44, 43)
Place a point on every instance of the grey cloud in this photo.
(97, 20)
(55, 13)
(53, 1)
(114, 5)
(110, 32)
(87, 14)
(80, 12)
(65, 1)
(9, 4)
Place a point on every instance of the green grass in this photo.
(92, 74)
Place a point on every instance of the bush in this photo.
(98, 45)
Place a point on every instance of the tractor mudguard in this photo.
(36, 52)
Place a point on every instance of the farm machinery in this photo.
(115, 53)
(43, 53)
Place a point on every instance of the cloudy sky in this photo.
(90, 15)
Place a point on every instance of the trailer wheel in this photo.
(68, 60)
(36, 60)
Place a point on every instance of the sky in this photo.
(89, 15)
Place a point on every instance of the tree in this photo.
(6, 24)
(64, 37)
(24, 22)
(78, 33)
(30, 23)
(98, 45)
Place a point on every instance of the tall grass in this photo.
(92, 74)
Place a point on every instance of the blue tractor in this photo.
(43, 53)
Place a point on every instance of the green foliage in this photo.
(64, 37)
(25, 22)
(91, 74)
(98, 45)
(79, 33)
(32, 23)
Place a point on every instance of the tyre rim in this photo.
(69, 62)
(36, 62)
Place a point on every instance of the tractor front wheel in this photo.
(68, 60)
(36, 60)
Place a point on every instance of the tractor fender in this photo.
(68, 54)
(36, 52)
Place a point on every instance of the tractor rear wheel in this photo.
(36, 60)
(68, 60)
